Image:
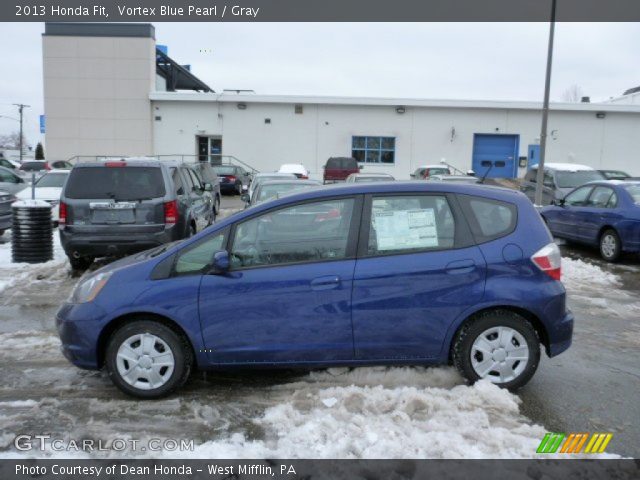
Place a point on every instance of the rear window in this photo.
(489, 219)
(342, 163)
(225, 170)
(567, 179)
(117, 183)
(55, 180)
(32, 166)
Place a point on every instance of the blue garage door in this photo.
(497, 154)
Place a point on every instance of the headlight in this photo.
(88, 289)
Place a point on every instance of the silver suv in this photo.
(559, 179)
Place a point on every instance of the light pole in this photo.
(545, 109)
(22, 106)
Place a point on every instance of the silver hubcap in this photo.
(499, 354)
(608, 246)
(145, 361)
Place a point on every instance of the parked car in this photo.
(426, 171)
(6, 199)
(559, 179)
(208, 175)
(337, 169)
(603, 214)
(617, 175)
(61, 165)
(37, 167)
(270, 189)
(48, 188)
(369, 177)
(454, 178)
(261, 177)
(362, 274)
(233, 178)
(299, 170)
(113, 208)
(7, 164)
(10, 181)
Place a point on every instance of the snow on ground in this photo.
(24, 275)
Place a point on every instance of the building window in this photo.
(374, 149)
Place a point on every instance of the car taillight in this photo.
(548, 259)
(115, 164)
(231, 178)
(46, 166)
(171, 212)
(62, 220)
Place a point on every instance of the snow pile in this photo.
(22, 344)
(40, 276)
(580, 275)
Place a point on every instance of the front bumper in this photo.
(96, 245)
(79, 327)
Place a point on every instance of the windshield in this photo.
(268, 192)
(55, 180)
(123, 183)
(634, 191)
(567, 179)
(225, 170)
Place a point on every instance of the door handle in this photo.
(460, 266)
(325, 283)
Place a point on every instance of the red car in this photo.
(337, 169)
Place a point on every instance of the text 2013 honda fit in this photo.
(359, 274)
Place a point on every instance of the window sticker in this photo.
(405, 229)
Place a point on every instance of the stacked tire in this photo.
(31, 232)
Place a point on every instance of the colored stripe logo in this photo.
(574, 443)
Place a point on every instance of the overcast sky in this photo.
(502, 61)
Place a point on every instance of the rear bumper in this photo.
(114, 244)
(228, 187)
(561, 335)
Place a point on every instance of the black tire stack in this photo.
(31, 232)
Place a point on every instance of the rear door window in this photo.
(600, 197)
(489, 219)
(411, 223)
(117, 183)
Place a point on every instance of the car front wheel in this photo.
(500, 346)
(610, 246)
(147, 359)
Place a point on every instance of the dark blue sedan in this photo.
(603, 214)
(358, 274)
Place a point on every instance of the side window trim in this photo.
(462, 235)
(352, 236)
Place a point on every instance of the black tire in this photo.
(2, 232)
(608, 237)
(178, 344)
(216, 205)
(80, 263)
(463, 342)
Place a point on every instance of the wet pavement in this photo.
(593, 387)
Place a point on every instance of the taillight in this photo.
(115, 164)
(548, 259)
(231, 178)
(46, 166)
(62, 213)
(171, 212)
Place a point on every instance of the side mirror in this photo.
(208, 187)
(245, 197)
(220, 263)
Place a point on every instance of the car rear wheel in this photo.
(147, 359)
(610, 246)
(500, 346)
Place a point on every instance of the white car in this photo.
(425, 171)
(297, 169)
(48, 188)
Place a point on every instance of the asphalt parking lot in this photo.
(363, 412)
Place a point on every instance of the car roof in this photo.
(568, 167)
(456, 177)
(613, 182)
(373, 174)
(433, 165)
(135, 161)
(274, 174)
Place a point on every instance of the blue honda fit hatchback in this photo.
(358, 274)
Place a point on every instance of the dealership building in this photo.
(109, 90)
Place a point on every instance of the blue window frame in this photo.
(374, 149)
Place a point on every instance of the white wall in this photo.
(96, 95)
(423, 134)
